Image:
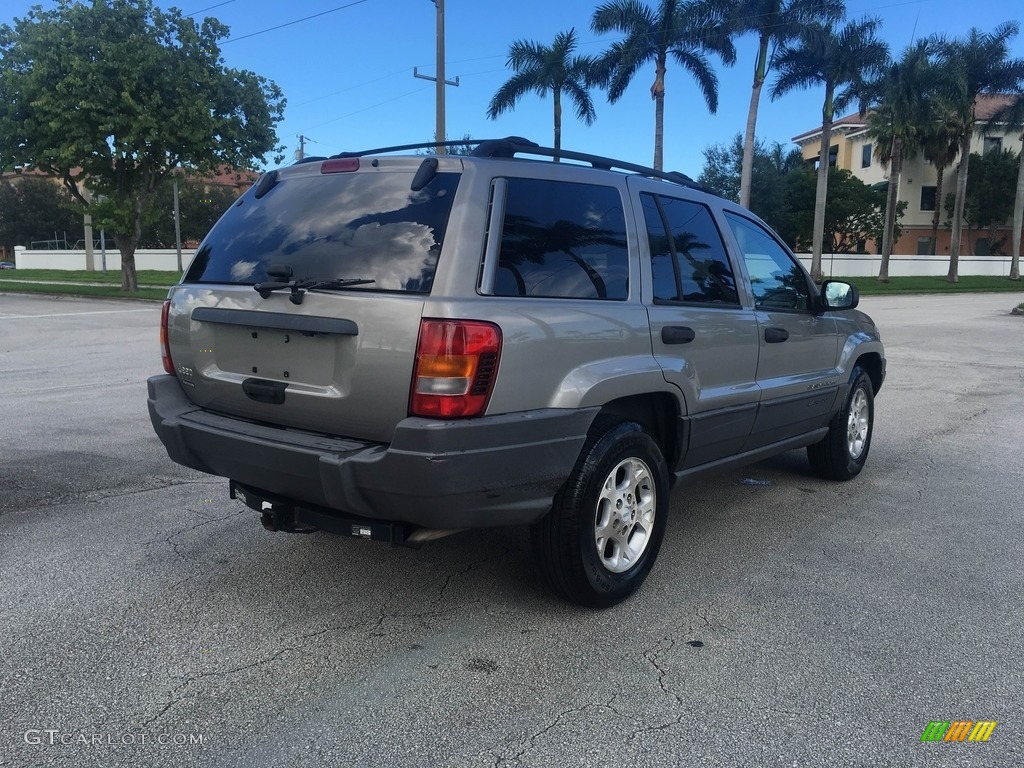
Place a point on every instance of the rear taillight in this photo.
(165, 345)
(340, 165)
(456, 365)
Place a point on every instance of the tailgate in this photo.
(339, 364)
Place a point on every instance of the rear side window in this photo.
(688, 258)
(564, 240)
(335, 226)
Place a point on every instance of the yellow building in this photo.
(852, 149)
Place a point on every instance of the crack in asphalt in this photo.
(501, 760)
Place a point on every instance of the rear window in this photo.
(336, 226)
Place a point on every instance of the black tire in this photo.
(841, 454)
(634, 509)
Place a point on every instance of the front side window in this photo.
(371, 226)
(688, 258)
(776, 279)
(562, 240)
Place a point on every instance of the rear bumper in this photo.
(490, 471)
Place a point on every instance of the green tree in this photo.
(35, 209)
(110, 96)
(900, 109)
(989, 199)
(771, 163)
(542, 68)
(199, 206)
(841, 60)
(773, 23)
(685, 31)
(980, 63)
(1012, 117)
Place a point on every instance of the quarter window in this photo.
(562, 240)
(688, 258)
(776, 278)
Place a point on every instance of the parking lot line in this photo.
(73, 314)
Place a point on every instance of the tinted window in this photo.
(561, 239)
(346, 225)
(688, 258)
(776, 279)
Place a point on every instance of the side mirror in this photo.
(836, 294)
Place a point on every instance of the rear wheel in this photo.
(841, 454)
(603, 533)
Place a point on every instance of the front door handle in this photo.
(775, 335)
(677, 334)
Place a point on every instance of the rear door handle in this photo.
(775, 335)
(677, 334)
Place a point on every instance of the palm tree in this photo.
(980, 64)
(840, 60)
(940, 146)
(900, 104)
(542, 68)
(775, 23)
(1012, 117)
(686, 30)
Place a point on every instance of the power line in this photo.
(209, 8)
(296, 21)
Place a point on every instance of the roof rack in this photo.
(510, 146)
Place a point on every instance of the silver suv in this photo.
(401, 347)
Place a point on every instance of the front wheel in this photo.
(841, 454)
(603, 533)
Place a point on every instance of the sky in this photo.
(347, 73)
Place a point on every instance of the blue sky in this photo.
(348, 74)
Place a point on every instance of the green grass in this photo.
(869, 286)
(113, 276)
(97, 291)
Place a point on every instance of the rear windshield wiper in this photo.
(299, 287)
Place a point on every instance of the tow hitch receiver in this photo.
(276, 514)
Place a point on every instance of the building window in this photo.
(927, 198)
(981, 247)
(865, 156)
(925, 246)
(993, 144)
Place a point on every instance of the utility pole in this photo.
(439, 132)
(177, 225)
(300, 153)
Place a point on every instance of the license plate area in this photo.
(269, 353)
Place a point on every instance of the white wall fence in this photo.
(145, 258)
(839, 265)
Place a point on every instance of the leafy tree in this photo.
(110, 96)
(989, 199)
(841, 60)
(34, 209)
(199, 206)
(980, 63)
(774, 23)
(1012, 116)
(900, 102)
(542, 68)
(723, 172)
(686, 31)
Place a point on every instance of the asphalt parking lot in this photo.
(147, 619)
